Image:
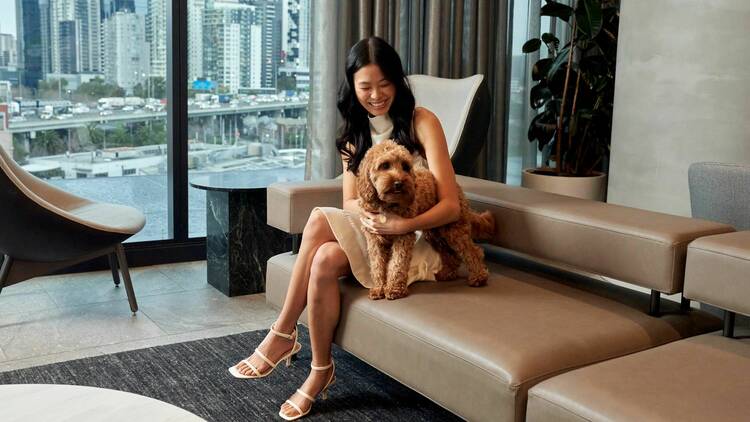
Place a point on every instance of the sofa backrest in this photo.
(641, 247)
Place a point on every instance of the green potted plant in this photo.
(573, 95)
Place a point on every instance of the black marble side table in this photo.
(238, 240)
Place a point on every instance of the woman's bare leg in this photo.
(323, 307)
(317, 231)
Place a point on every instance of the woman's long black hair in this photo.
(356, 128)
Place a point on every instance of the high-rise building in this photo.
(7, 50)
(254, 70)
(46, 42)
(195, 39)
(126, 52)
(156, 36)
(29, 38)
(89, 15)
(79, 20)
(109, 7)
(141, 7)
(228, 30)
(295, 33)
(68, 46)
(268, 14)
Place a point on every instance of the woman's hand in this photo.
(385, 223)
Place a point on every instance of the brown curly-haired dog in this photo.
(388, 182)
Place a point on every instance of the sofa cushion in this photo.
(703, 378)
(636, 246)
(476, 351)
(717, 271)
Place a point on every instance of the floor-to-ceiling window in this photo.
(83, 85)
(248, 82)
(85, 91)
(526, 24)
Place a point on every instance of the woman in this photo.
(376, 104)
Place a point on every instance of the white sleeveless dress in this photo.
(425, 261)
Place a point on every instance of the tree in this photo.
(52, 88)
(286, 83)
(154, 134)
(47, 142)
(154, 87)
(96, 135)
(98, 88)
(119, 137)
(158, 87)
(19, 150)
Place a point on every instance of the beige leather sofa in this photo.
(477, 352)
(703, 378)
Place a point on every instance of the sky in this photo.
(8, 17)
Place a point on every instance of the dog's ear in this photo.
(365, 188)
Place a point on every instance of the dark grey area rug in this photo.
(193, 375)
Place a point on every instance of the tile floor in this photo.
(64, 317)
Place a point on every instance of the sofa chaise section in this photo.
(696, 379)
(478, 351)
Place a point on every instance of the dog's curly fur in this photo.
(389, 182)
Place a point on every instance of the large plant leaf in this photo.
(540, 69)
(562, 57)
(539, 95)
(589, 18)
(553, 43)
(542, 128)
(531, 45)
(557, 10)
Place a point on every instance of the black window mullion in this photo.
(177, 119)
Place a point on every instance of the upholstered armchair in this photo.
(44, 229)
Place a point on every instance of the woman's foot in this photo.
(318, 380)
(273, 347)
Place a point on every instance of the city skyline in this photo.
(239, 44)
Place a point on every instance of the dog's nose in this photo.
(398, 184)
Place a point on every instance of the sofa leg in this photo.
(728, 324)
(654, 308)
(684, 303)
(113, 266)
(120, 251)
(5, 270)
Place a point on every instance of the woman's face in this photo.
(374, 92)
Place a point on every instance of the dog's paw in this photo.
(477, 282)
(376, 293)
(396, 293)
(478, 278)
(446, 274)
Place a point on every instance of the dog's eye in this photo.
(384, 166)
(406, 166)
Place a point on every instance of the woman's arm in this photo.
(430, 134)
(349, 190)
(448, 209)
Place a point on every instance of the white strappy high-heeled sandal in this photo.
(296, 347)
(323, 393)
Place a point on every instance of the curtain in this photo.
(444, 38)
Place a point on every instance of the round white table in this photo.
(57, 403)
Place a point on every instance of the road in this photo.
(81, 120)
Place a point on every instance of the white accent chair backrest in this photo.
(462, 106)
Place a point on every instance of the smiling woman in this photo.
(376, 104)
(374, 91)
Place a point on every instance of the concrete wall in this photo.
(682, 95)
